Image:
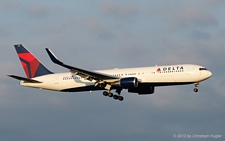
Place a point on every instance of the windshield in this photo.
(202, 69)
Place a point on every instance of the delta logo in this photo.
(158, 70)
(178, 68)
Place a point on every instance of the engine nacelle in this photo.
(129, 82)
(142, 90)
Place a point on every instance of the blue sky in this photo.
(113, 34)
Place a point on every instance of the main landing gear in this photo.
(116, 97)
(108, 93)
(196, 87)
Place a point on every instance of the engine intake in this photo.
(129, 82)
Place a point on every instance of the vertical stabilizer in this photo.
(31, 65)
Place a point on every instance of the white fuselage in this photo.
(154, 76)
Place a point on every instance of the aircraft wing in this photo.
(28, 80)
(88, 75)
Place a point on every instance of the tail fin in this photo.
(30, 63)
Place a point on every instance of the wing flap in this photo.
(28, 80)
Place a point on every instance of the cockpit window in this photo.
(202, 69)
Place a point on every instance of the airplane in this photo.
(141, 80)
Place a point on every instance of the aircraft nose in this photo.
(209, 74)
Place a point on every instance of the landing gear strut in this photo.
(196, 87)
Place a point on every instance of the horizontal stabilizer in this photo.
(28, 80)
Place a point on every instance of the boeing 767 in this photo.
(141, 80)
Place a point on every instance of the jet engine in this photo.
(129, 82)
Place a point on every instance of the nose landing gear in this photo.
(196, 87)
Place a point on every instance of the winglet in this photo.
(53, 57)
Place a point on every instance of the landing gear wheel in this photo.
(195, 90)
(120, 98)
(110, 94)
(115, 97)
(105, 93)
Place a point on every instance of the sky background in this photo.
(113, 34)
